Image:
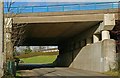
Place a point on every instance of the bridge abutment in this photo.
(99, 56)
(92, 50)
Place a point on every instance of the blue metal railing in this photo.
(63, 7)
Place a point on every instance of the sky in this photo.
(25, 7)
(61, 0)
(49, 2)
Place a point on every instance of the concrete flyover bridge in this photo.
(83, 37)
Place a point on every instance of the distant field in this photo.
(40, 59)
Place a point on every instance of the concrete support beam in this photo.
(95, 38)
(107, 24)
(109, 21)
(1, 39)
(105, 35)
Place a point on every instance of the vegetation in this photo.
(40, 59)
(27, 50)
(111, 73)
(33, 54)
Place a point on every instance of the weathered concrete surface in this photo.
(109, 54)
(1, 39)
(100, 56)
(64, 18)
(88, 58)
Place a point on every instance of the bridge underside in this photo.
(54, 28)
(53, 33)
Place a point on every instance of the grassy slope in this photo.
(33, 54)
(111, 73)
(40, 59)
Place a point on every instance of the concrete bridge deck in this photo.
(55, 27)
(69, 16)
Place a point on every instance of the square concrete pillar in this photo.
(105, 35)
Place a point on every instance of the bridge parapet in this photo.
(64, 7)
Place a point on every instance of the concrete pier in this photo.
(1, 39)
(105, 35)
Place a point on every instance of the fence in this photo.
(63, 7)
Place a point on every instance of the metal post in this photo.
(1, 39)
(32, 9)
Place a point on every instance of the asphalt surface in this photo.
(27, 66)
(59, 73)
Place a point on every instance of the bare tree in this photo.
(18, 30)
(13, 33)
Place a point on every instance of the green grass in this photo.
(33, 54)
(40, 59)
(18, 73)
(111, 73)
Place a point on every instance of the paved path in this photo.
(27, 66)
(58, 72)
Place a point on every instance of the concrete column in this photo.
(1, 39)
(95, 38)
(105, 35)
(9, 45)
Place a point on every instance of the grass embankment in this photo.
(112, 73)
(40, 59)
(33, 54)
